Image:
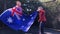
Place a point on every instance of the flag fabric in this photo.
(23, 23)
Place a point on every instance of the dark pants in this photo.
(42, 25)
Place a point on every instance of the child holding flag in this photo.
(42, 19)
(17, 10)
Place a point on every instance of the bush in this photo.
(52, 14)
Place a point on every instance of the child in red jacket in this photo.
(42, 19)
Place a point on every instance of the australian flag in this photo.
(23, 22)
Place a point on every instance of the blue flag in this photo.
(23, 22)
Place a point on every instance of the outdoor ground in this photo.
(33, 30)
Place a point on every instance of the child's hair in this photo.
(17, 1)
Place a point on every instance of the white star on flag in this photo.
(23, 19)
(31, 17)
(9, 20)
(21, 27)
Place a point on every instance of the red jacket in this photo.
(42, 15)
